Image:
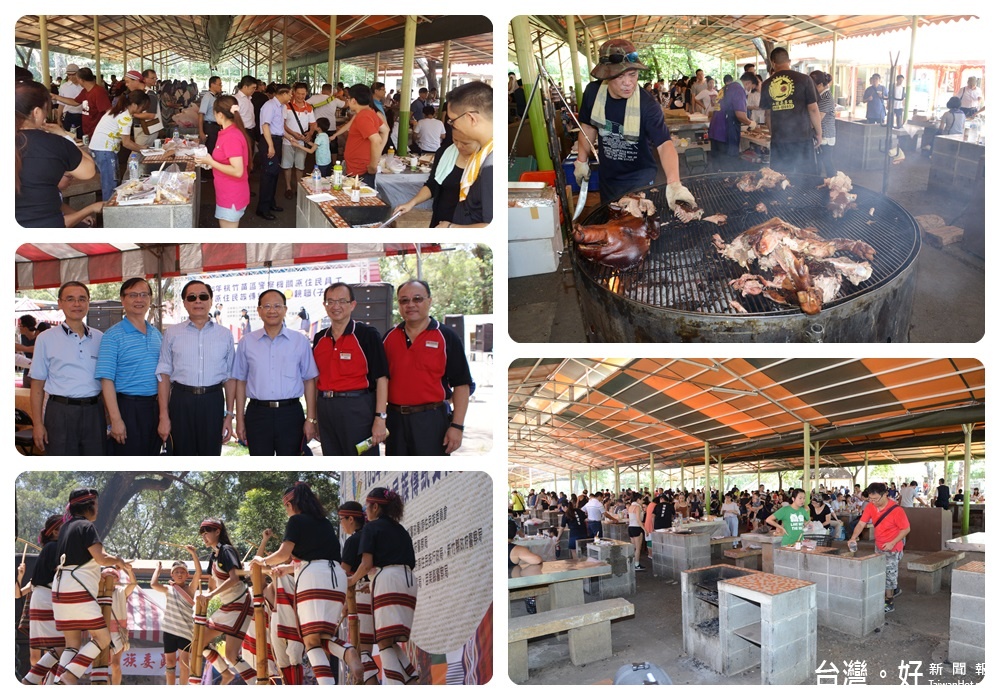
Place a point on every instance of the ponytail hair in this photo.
(389, 502)
(81, 502)
(303, 499)
(27, 96)
(51, 530)
(136, 97)
(227, 106)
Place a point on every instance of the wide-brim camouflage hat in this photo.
(616, 57)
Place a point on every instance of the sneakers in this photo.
(898, 592)
(640, 567)
(889, 607)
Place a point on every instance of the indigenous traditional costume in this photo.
(234, 615)
(362, 597)
(286, 642)
(42, 632)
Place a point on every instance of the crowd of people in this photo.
(273, 128)
(303, 605)
(133, 390)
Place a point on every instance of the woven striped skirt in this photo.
(74, 598)
(285, 638)
(42, 623)
(394, 598)
(250, 640)
(366, 622)
(235, 615)
(320, 592)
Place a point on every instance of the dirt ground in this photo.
(916, 631)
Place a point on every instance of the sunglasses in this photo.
(632, 57)
(204, 296)
(203, 530)
(416, 300)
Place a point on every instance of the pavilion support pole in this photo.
(865, 482)
(445, 79)
(332, 51)
(618, 479)
(377, 57)
(722, 485)
(708, 473)
(574, 58)
(536, 119)
(805, 452)
(141, 39)
(270, 56)
(682, 477)
(590, 478)
(947, 465)
(967, 429)
(588, 54)
(43, 41)
(409, 48)
(652, 474)
(284, 48)
(562, 73)
(541, 51)
(97, 47)
(758, 473)
(909, 67)
(815, 471)
(833, 69)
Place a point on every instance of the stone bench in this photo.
(720, 545)
(589, 628)
(934, 569)
(744, 558)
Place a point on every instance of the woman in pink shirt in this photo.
(230, 160)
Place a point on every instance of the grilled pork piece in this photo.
(840, 198)
(633, 205)
(686, 213)
(765, 178)
(717, 219)
(621, 243)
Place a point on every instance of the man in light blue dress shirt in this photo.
(63, 367)
(274, 367)
(196, 390)
(126, 366)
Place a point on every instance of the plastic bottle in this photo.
(133, 166)
(177, 134)
(338, 177)
(356, 191)
(366, 445)
(316, 179)
(391, 152)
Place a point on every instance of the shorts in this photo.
(635, 531)
(229, 213)
(173, 643)
(892, 569)
(291, 155)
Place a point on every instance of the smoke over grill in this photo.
(681, 291)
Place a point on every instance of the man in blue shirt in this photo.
(417, 106)
(126, 367)
(196, 389)
(208, 128)
(63, 366)
(274, 367)
(272, 130)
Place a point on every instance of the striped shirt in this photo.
(178, 615)
(196, 357)
(128, 358)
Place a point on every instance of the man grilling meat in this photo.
(627, 125)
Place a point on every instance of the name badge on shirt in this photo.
(345, 356)
(432, 344)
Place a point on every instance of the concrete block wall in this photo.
(616, 531)
(673, 553)
(621, 582)
(738, 654)
(788, 637)
(967, 640)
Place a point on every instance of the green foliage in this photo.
(258, 511)
(461, 279)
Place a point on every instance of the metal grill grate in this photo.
(684, 272)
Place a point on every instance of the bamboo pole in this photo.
(105, 590)
(24, 554)
(332, 52)
(353, 622)
(409, 48)
(28, 544)
(259, 622)
(574, 58)
(535, 116)
(198, 642)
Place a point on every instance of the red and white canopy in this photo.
(44, 265)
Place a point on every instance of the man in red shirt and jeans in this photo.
(891, 528)
(366, 136)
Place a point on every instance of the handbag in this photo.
(151, 126)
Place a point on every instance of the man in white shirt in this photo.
(595, 513)
(326, 104)
(971, 97)
(71, 115)
(706, 98)
(429, 132)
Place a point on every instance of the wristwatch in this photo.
(458, 426)
(312, 420)
(382, 415)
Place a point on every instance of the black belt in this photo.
(198, 389)
(136, 397)
(396, 408)
(88, 401)
(338, 394)
(274, 404)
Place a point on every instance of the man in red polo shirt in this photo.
(94, 99)
(367, 133)
(891, 528)
(353, 378)
(427, 368)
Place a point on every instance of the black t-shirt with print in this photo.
(788, 95)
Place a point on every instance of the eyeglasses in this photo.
(337, 302)
(137, 295)
(204, 296)
(272, 307)
(632, 57)
(404, 301)
(471, 111)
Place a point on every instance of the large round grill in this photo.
(681, 291)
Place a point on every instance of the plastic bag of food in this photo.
(174, 186)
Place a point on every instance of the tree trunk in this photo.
(119, 490)
(429, 67)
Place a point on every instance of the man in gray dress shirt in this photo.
(196, 390)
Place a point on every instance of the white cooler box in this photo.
(533, 236)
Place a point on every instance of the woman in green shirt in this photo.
(789, 521)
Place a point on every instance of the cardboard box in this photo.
(533, 235)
